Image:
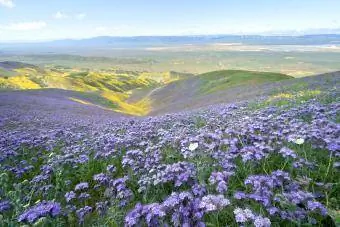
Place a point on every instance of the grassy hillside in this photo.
(210, 88)
(220, 80)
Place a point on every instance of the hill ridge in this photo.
(136, 93)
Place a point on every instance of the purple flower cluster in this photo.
(276, 191)
(178, 173)
(183, 209)
(220, 179)
(43, 209)
(243, 216)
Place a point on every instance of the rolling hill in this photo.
(177, 96)
(137, 93)
(10, 65)
(209, 88)
(109, 88)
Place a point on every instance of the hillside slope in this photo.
(210, 88)
(111, 85)
(55, 104)
(185, 94)
(145, 93)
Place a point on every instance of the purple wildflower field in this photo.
(250, 163)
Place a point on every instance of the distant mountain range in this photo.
(147, 41)
(99, 45)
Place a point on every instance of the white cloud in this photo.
(80, 16)
(101, 29)
(60, 15)
(7, 3)
(24, 26)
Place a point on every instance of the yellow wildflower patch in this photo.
(281, 96)
(19, 82)
(80, 101)
(300, 94)
(140, 108)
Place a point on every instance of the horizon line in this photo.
(179, 35)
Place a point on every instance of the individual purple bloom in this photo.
(68, 182)
(260, 221)
(111, 168)
(313, 206)
(199, 190)
(221, 187)
(70, 195)
(40, 178)
(96, 187)
(101, 178)
(84, 196)
(82, 212)
(42, 209)
(273, 210)
(47, 169)
(102, 207)
(82, 159)
(333, 146)
(81, 186)
(240, 195)
(286, 152)
(243, 215)
(4, 206)
(213, 202)
(221, 179)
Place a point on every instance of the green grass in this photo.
(6, 73)
(292, 98)
(78, 74)
(95, 98)
(224, 79)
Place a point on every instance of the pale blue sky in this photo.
(57, 19)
